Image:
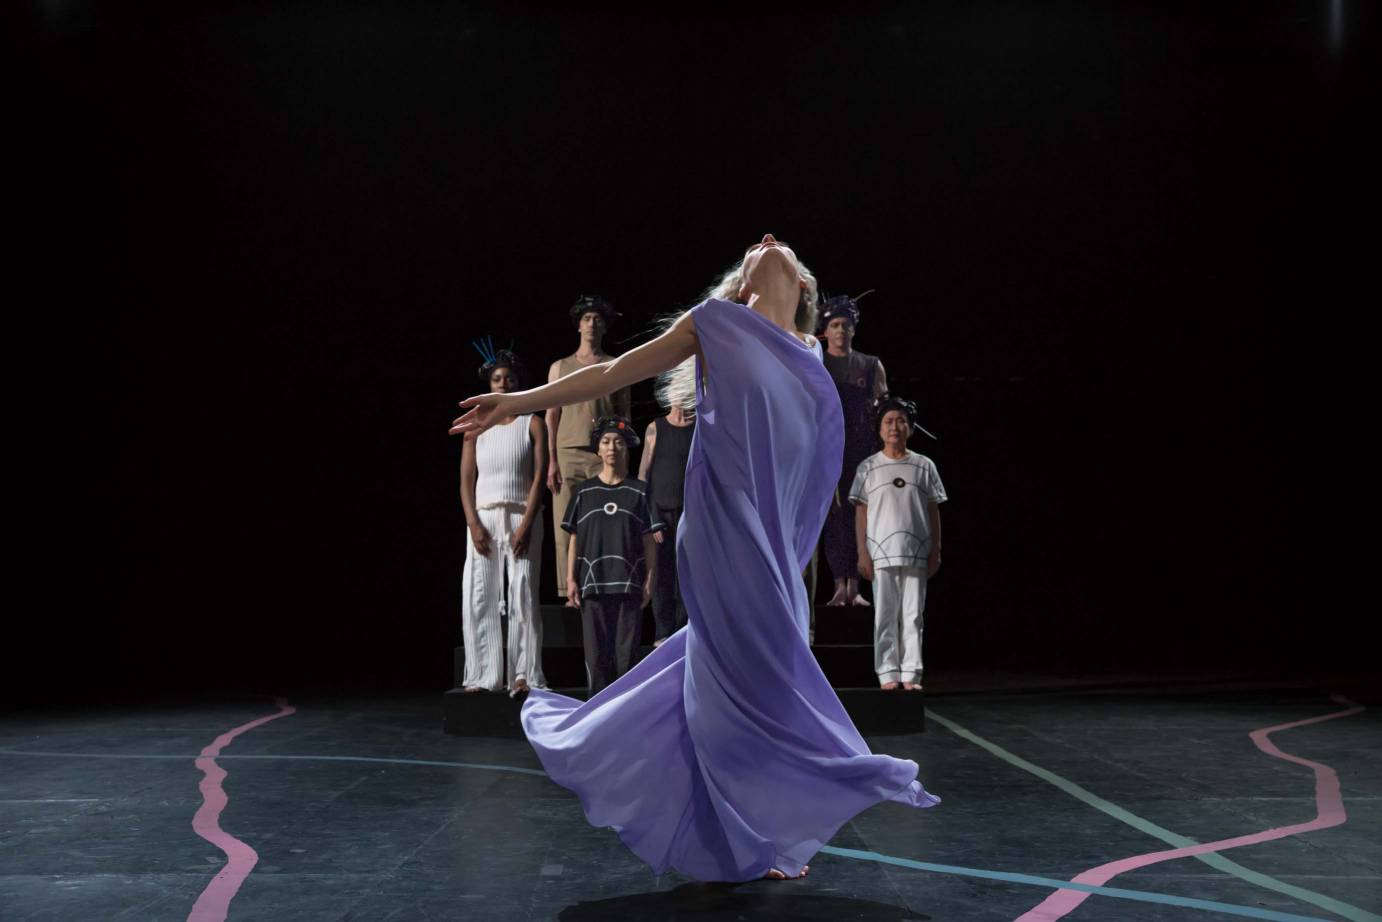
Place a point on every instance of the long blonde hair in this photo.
(677, 386)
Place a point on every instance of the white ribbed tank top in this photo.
(504, 464)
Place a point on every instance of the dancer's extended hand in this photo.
(485, 411)
(933, 562)
(554, 477)
(573, 594)
(866, 567)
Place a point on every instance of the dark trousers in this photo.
(609, 627)
(841, 551)
(669, 612)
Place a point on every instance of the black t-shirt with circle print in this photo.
(609, 522)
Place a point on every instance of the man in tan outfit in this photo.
(570, 460)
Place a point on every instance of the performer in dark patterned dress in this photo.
(860, 380)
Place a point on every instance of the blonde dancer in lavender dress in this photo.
(725, 754)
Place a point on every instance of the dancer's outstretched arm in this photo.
(652, 358)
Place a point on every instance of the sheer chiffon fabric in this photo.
(725, 752)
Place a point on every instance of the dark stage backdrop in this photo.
(1082, 220)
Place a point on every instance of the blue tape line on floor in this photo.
(1027, 879)
(1051, 883)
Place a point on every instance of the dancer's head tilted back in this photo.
(770, 262)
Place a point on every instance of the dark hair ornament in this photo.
(842, 306)
(620, 425)
(885, 402)
(497, 358)
(587, 303)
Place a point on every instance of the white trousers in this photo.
(899, 597)
(483, 603)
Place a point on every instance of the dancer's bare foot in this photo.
(912, 686)
(471, 689)
(889, 686)
(860, 600)
(775, 874)
(520, 686)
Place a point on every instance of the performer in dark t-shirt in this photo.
(611, 557)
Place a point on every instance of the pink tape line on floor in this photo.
(214, 902)
(1329, 811)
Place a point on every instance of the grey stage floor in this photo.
(365, 810)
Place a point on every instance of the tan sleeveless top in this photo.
(578, 419)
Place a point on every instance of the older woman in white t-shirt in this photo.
(897, 495)
(501, 489)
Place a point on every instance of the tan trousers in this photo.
(576, 465)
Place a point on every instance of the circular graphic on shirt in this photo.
(899, 482)
(862, 382)
(611, 508)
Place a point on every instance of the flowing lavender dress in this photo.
(725, 752)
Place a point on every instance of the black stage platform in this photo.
(364, 810)
(842, 641)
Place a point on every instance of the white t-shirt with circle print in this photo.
(896, 491)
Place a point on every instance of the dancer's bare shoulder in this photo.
(685, 326)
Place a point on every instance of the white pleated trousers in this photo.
(484, 602)
(899, 598)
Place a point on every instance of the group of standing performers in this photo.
(724, 753)
(616, 535)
